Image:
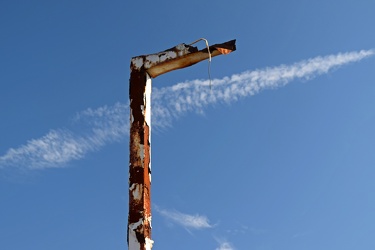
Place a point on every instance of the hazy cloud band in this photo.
(108, 124)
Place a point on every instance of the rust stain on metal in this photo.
(141, 67)
(139, 224)
(189, 59)
(180, 56)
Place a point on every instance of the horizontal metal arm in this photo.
(178, 57)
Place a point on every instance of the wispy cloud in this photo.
(187, 221)
(225, 245)
(110, 123)
(58, 147)
(173, 101)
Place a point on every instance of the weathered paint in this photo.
(133, 241)
(136, 190)
(146, 62)
(139, 219)
(188, 57)
(142, 68)
(178, 57)
(148, 244)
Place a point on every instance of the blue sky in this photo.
(279, 155)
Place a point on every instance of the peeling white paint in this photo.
(152, 60)
(133, 241)
(182, 49)
(147, 98)
(132, 238)
(136, 190)
(148, 219)
(148, 243)
(134, 225)
(137, 62)
(168, 55)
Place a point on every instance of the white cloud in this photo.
(108, 124)
(55, 148)
(224, 245)
(58, 147)
(185, 220)
(171, 102)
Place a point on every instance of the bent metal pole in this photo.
(142, 69)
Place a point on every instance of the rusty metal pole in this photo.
(142, 69)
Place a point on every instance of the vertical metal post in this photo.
(139, 221)
(142, 69)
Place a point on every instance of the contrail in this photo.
(171, 102)
(109, 124)
(58, 147)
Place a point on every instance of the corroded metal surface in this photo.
(178, 57)
(139, 220)
(142, 68)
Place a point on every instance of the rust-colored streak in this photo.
(147, 183)
(224, 51)
(139, 209)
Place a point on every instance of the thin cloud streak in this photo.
(174, 101)
(58, 147)
(185, 220)
(110, 124)
(225, 246)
